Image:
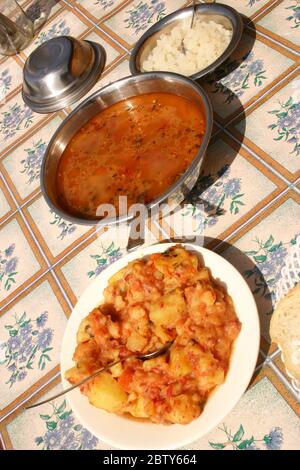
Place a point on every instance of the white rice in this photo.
(187, 51)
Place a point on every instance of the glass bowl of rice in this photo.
(173, 45)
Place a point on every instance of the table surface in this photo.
(251, 186)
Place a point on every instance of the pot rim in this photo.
(163, 198)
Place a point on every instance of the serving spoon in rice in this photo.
(150, 355)
(182, 46)
(194, 13)
(195, 10)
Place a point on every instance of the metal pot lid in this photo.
(60, 72)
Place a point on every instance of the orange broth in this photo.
(138, 147)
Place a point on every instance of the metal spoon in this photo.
(194, 13)
(143, 357)
(195, 9)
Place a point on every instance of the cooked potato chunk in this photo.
(85, 332)
(163, 334)
(106, 393)
(140, 408)
(116, 370)
(87, 357)
(179, 362)
(73, 375)
(183, 409)
(118, 276)
(155, 363)
(203, 275)
(136, 342)
(168, 310)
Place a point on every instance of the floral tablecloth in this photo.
(250, 189)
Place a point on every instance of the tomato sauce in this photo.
(136, 148)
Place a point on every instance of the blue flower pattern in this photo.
(294, 17)
(216, 191)
(5, 82)
(270, 258)
(105, 3)
(274, 440)
(287, 123)
(62, 432)
(144, 14)
(28, 346)
(16, 118)
(8, 266)
(107, 256)
(240, 75)
(65, 228)
(253, 2)
(58, 29)
(237, 440)
(32, 163)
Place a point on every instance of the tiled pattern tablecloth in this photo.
(251, 186)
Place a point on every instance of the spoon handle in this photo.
(150, 355)
(194, 13)
(67, 390)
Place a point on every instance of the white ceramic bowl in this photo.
(125, 433)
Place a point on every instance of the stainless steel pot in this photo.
(219, 13)
(107, 96)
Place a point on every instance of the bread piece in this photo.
(285, 329)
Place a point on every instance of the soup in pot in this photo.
(136, 148)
